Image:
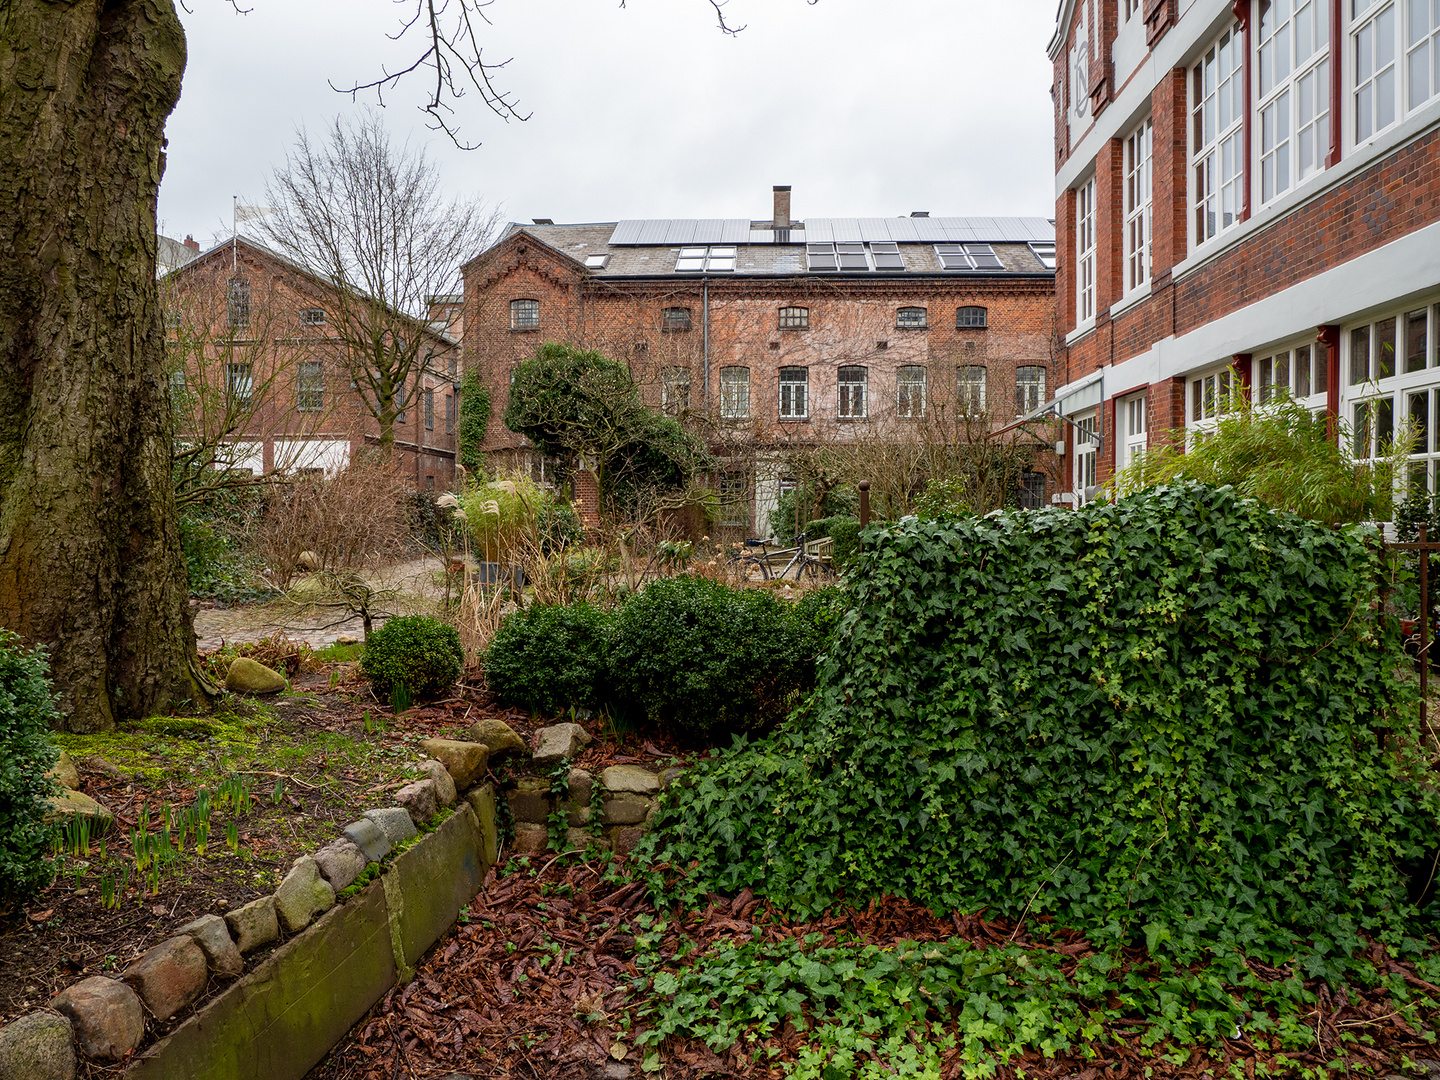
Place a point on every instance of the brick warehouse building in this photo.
(778, 333)
(1248, 194)
(250, 325)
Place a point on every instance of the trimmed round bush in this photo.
(423, 655)
(27, 712)
(706, 660)
(548, 658)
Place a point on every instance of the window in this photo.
(715, 259)
(675, 318)
(910, 392)
(1131, 413)
(429, 410)
(312, 316)
(524, 314)
(1422, 51)
(1373, 427)
(1372, 352)
(794, 384)
(883, 256)
(1085, 253)
(1032, 491)
(1416, 341)
(1297, 372)
(177, 382)
(970, 390)
(968, 257)
(1217, 136)
(310, 387)
(735, 393)
(1087, 445)
(1294, 91)
(1210, 395)
(1137, 205)
(1029, 389)
(454, 364)
(449, 414)
(1131, 8)
(400, 403)
(911, 318)
(1372, 37)
(237, 303)
(675, 390)
(887, 256)
(794, 318)
(597, 262)
(239, 384)
(735, 499)
(853, 381)
(1045, 253)
(970, 318)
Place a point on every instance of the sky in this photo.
(867, 108)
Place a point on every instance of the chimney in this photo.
(191, 242)
(782, 207)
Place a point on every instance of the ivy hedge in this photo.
(1172, 720)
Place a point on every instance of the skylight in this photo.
(887, 256)
(715, 259)
(1045, 253)
(596, 262)
(968, 257)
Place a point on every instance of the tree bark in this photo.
(90, 561)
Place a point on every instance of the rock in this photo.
(38, 1047)
(531, 839)
(342, 862)
(619, 779)
(108, 1019)
(254, 925)
(530, 801)
(105, 767)
(580, 839)
(302, 895)
(482, 801)
(444, 784)
(626, 808)
(559, 742)
(369, 838)
(670, 776)
(64, 773)
(614, 1070)
(72, 804)
(394, 822)
(419, 799)
(248, 676)
(625, 839)
(576, 816)
(497, 736)
(310, 561)
(213, 937)
(169, 977)
(582, 787)
(346, 639)
(465, 761)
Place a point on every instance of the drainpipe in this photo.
(705, 334)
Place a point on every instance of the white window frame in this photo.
(910, 390)
(1292, 79)
(239, 383)
(1029, 388)
(310, 397)
(970, 389)
(1045, 253)
(1217, 132)
(853, 392)
(1086, 456)
(312, 316)
(1132, 421)
(1298, 370)
(674, 390)
(1373, 71)
(794, 401)
(1422, 52)
(1206, 394)
(1138, 204)
(912, 318)
(735, 392)
(706, 259)
(1085, 253)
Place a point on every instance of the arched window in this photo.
(524, 314)
(970, 318)
(853, 384)
(911, 318)
(794, 318)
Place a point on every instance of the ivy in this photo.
(1171, 721)
(474, 420)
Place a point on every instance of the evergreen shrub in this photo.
(27, 713)
(422, 655)
(547, 658)
(1175, 719)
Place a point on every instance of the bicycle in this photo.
(806, 561)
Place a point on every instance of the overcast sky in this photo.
(869, 108)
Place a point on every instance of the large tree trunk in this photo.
(90, 560)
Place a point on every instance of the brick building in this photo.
(255, 336)
(1248, 194)
(778, 333)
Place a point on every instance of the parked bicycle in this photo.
(806, 557)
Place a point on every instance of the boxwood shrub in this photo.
(547, 658)
(421, 654)
(27, 713)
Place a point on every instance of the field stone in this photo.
(213, 937)
(342, 862)
(39, 1046)
(497, 736)
(394, 822)
(444, 783)
(73, 804)
(247, 676)
(108, 1019)
(254, 925)
(465, 761)
(169, 977)
(302, 895)
(531, 839)
(625, 839)
(630, 778)
(670, 776)
(64, 772)
(626, 808)
(582, 787)
(530, 801)
(482, 801)
(366, 835)
(419, 800)
(559, 742)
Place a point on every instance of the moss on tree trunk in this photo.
(90, 561)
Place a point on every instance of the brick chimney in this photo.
(782, 207)
(191, 242)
